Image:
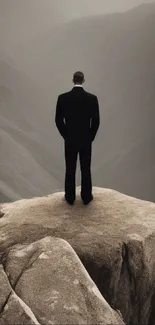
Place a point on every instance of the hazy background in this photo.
(21, 20)
(42, 43)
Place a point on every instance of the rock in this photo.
(16, 312)
(114, 237)
(49, 277)
(12, 309)
(5, 290)
(1, 214)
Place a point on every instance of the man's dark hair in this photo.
(78, 77)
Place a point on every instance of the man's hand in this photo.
(59, 118)
(95, 122)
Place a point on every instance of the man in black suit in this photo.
(77, 119)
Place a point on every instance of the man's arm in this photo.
(95, 122)
(59, 118)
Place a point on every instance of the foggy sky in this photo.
(23, 19)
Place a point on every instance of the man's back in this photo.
(80, 111)
(77, 119)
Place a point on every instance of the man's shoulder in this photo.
(91, 95)
(68, 93)
(62, 95)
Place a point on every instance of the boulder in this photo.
(113, 236)
(12, 309)
(49, 278)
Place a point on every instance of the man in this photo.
(77, 119)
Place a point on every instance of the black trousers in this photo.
(71, 154)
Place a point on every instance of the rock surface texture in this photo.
(114, 238)
(46, 283)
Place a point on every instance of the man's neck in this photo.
(78, 85)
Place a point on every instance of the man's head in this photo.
(78, 78)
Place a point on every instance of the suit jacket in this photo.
(77, 115)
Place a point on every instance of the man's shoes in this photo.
(88, 200)
(71, 202)
(85, 202)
